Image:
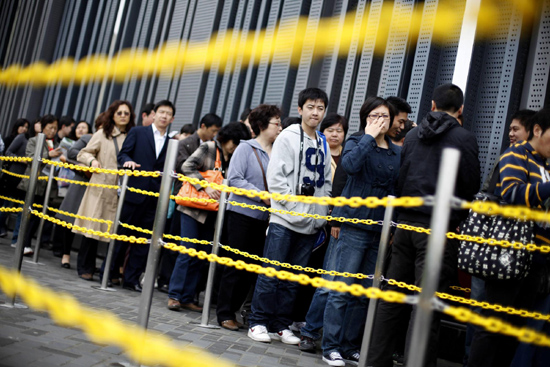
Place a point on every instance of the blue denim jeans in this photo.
(477, 293)
(274, 298)
(316, 312)
(344, 322)
(186, 272)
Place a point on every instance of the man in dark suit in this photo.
(144, 148)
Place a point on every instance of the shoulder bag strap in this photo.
(261, 167)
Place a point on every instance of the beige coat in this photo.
(98, 202)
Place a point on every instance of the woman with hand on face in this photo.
(371, 162)
(99, 202)
(50, 150)
(246, 228)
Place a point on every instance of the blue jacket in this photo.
(139, 147)
(372, 171)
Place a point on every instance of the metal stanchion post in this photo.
(158, 229)
(212, 269)
(432, 265)
(382, 249)
(27, 207)
(42, 220)
(111, 248)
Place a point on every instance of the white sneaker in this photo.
(259, 334)
(297, 326)
(27, 251)
(334, 359)
(286, 336)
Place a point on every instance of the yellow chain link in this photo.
(85, 230)
(86, 183)
(165, 235)
(12, 200)
(62, 212)
(11, 209)
(508, 211)
(15, 159)
(14, 174)
(355, 202)
(119, 172)
(103, 327)
(462, 314)
(143, 192)
(490, 241)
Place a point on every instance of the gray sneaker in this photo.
(334, 359)
(307, 345)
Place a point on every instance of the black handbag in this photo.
(493, 261)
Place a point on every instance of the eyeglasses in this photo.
(375, 116)
(123, 113)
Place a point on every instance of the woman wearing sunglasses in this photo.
(99, 202)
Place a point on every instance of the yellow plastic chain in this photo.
(462, 314)
(14, 174)
(261, 45)
(102, 327)
(110, 236)
(508, 211)
(86, 183)
(355, 202)
(119, 172)
(10, 209)
(169, 236)
(15, 159)
(12, 200)
(62, 212)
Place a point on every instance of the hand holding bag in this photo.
(189, 191)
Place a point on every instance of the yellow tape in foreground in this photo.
(102, 327)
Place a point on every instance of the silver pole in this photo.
(436, 245)
(381, 259)
(158, 229)
(27, 207)
(44, 211)
(212, 266)
(111, 248)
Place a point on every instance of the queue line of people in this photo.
(300, 160)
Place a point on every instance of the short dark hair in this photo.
(148, 108)
(245, 113)
(448, 98)
(313, 94)
(234, 131)
(370, 104)
(409, 125)
(287, 121)
(334, 119)
(46, 120)
(65, 121)
(260, 116)
(187, 129)
(541, 118)
(166, 103)
(524, 118)
(211, 119)
(399, 104)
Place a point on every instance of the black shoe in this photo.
(66, 265)
(398, 359)
(307, 345)
(163, 288)
(353, 359)
(135, 287)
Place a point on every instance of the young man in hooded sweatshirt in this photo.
(299, 165)
(420, 159)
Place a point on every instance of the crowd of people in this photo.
(307, 156)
